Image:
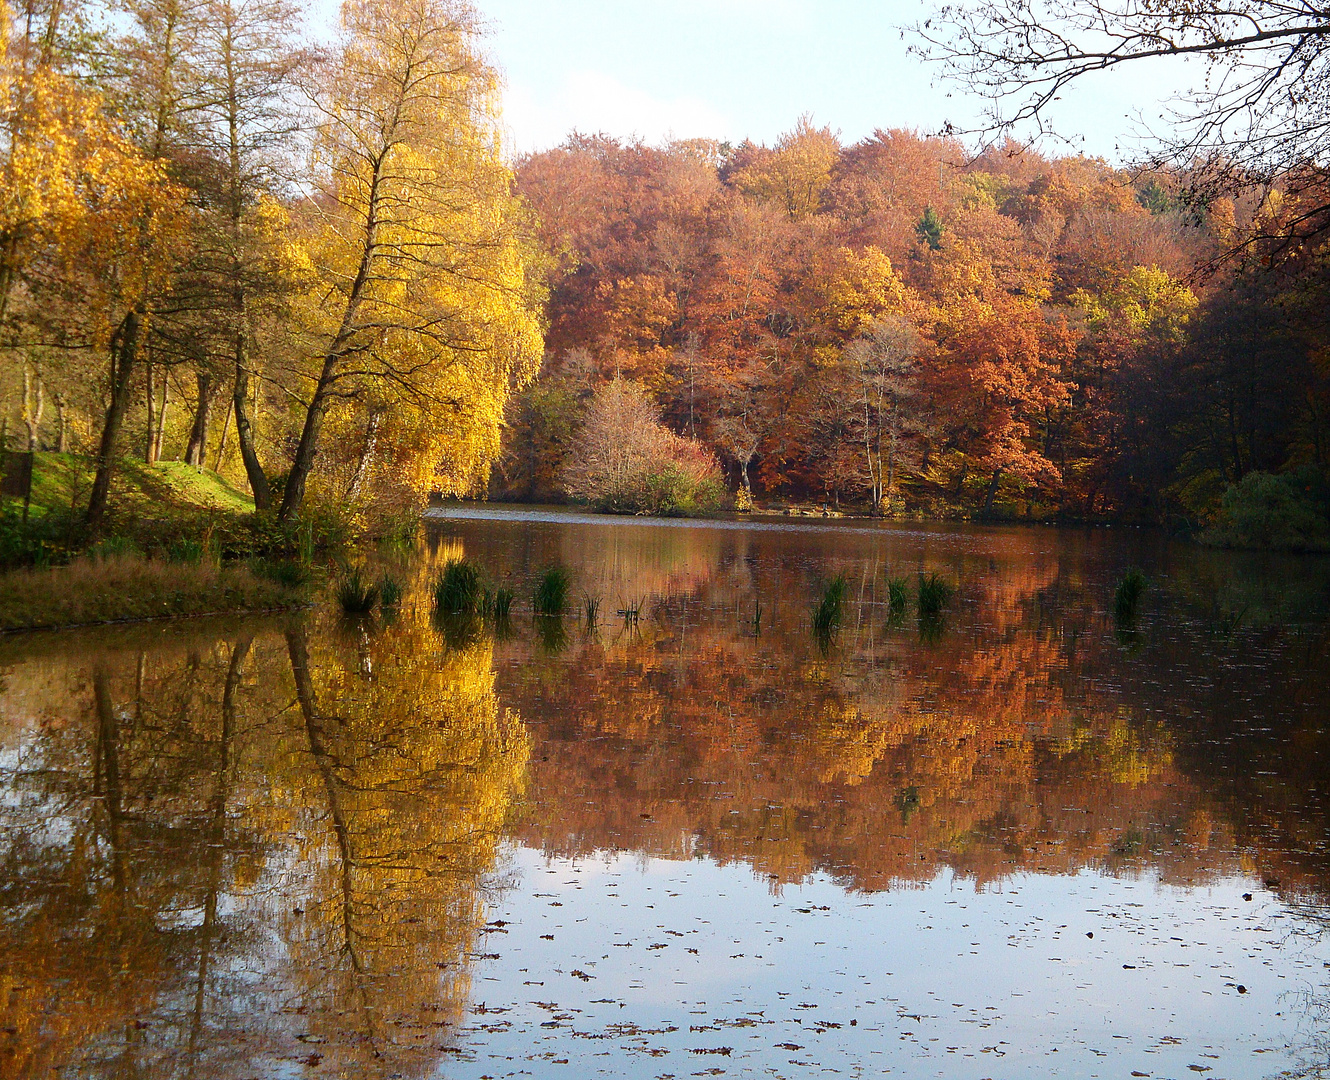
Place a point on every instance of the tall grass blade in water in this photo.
(1127, 598)
(552, 593)
(830, 609)
(934, 595)
(458, 589)
(356, 596)
(591, 605)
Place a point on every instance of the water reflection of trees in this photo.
(259, 850)
(268, 845)
(1022, 738)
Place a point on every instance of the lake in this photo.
(1021, 838)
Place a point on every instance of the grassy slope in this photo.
(62, 481)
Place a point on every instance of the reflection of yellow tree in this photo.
(415, 768)
(172, 811)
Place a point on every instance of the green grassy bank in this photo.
(179, 541)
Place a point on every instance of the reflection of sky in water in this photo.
(652, 962)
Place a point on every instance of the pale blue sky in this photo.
(748, 68)
(735, 69)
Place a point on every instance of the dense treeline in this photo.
(305, 267)
(315, 271)
(904, 326)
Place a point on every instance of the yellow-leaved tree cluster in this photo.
(306, 267)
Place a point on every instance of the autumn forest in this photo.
(897, 323)
(320, 273)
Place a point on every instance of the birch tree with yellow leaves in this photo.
(424, 313)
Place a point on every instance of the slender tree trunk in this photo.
(294, 494)
(258, 479)
(161, 416)
(303, 462)
(961, 478)
(226, 430)
(33, 405)
(124, 352)
(148, 456)
(197, 447)
(62, 440)
(366, 455)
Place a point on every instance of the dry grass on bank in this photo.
(122, 587)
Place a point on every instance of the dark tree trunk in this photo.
(198, 434)
(258, 479)
(124, 351)
(294, 494)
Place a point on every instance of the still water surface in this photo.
(1021, 840)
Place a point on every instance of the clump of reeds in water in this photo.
(897, 597)
(631, 611)
(390, 591)
(1127, 597)
(591, 609)
(458, 590)
(829, 612)
(501, 605)
(551, 596)
(934, 595)
(355, 595)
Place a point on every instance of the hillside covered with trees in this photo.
(900, 325)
